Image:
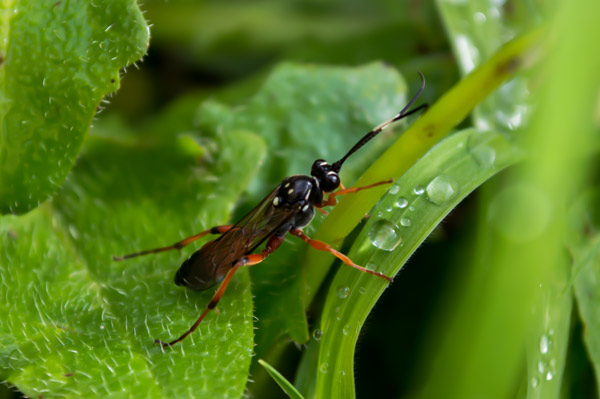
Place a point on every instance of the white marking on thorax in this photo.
(307, 194)
(276, 201)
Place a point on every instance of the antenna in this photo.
(336, 166)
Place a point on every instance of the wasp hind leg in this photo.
(321, 246)
(248, 260)
(178, 245)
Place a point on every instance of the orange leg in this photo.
(179, 244)
(321, 246)
(331, 200)
(248, 260)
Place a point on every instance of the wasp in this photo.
(287, 209)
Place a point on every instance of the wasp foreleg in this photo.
(331, 200)
(321, 246)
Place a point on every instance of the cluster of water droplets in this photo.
(387, 235)
(546, 365)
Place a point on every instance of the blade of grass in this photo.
(524, 267)
(400, 222)
(413, 144)
(285, 385)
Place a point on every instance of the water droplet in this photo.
(317, 334)
(534, 382)
(549, 376)
(544, 344)
(379, 214)
(371, 266)
(469, 54)
(521, 212)
(418, 190)
(405, 222)
(343, 292)
(362, 290)
(324, 368)
(384, 235)
(388, 209)
(346, 329)
(74, 232)
(401, 203)
(411, 208)
(342, 373)
(442, 189)
(480, 17)
(394, 189)
(541, 367)
(484, 155)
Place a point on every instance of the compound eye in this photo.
(319, 168)
(330, 182)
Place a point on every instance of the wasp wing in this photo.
(210, 264)
(259, 224)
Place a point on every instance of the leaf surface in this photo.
(58, 60)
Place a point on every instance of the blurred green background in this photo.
(501, 299)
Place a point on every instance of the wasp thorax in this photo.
(295, 190)
(323, 172)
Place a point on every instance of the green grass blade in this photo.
(285, 385)
(422, 135)
(416, 203)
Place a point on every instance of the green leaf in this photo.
(285, 385)
(399, 223)
(74, 323)
(584, 244)
(58, 60)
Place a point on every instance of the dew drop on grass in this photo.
(317, 334)
(385, 235)
(324, 368)
(479, 17)
(401, 203)
(442, 189)
(534, 382)
(418, 190)
(346, 329)
(405, 222)
(343, 292)
(484, 155)
(520, 212)
(544, 343)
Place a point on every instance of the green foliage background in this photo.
(498, 300)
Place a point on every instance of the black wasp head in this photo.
(326, 175)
